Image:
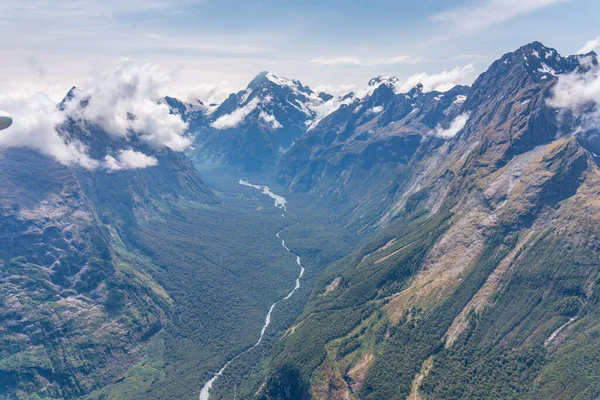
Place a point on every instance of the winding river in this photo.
(280, 202)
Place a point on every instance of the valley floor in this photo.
(223, 266)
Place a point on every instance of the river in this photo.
(280, 202)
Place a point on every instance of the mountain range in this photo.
(450, 238)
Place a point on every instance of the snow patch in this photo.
(547, 70)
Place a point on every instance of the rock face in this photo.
(75, 304)
(372, 150)
(359, 154)
(48, 221)
(486, 263)
(251, 128)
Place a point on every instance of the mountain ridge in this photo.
(470, 277)
(475, 209)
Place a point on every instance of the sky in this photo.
(210, 48)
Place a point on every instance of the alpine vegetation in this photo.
(403, 204)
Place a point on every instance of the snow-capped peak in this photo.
(266, 79)
(272, 95)
(541, 62)
(293, 84)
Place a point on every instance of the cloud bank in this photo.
(590, 45)
(370, 62)
(270, 120)
(483, 13)
(441, 82)
(208, 93)
(35, 122)
(125, 103)
(579, 92)
(403, 59)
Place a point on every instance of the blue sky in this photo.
(52, 45)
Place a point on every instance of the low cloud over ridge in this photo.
(441, 82)
(125, 103)
(35, 120)
(129, 159)
(238, 116)
(579, 92)
(455, 126)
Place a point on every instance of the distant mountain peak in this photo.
(266, 78)
(259, 79)
(388, 80)
(539, 61)
(270, 91)
(416, 90)
(291, 83)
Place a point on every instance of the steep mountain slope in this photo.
(478, 209)
(121, 196)
(68, 290)
(484, 284)
(251, 128)
(132, 279)
(359, 154)
(77, 302)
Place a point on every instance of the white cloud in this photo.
(337, 61)
(589, 46)
(129, 159)
(403, 59)
(334, 90)
(579, 92)
(442, 81)
(270, 119)
(35, 120)
(125, 103)
(213, 44)
(208, 93)
(324, 109)
(577, 89)
(483, 13)
(236, 117)
(34, 9)
(455, 126)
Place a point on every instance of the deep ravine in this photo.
(280, 202)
